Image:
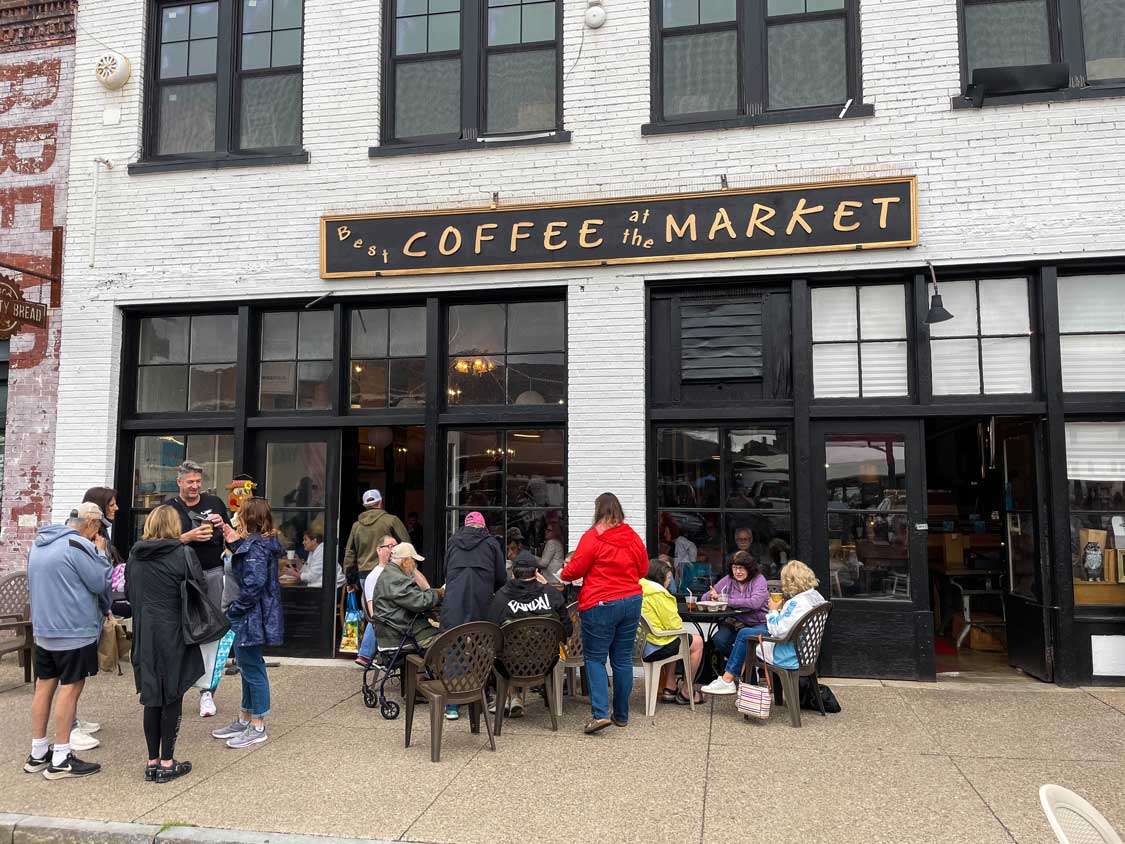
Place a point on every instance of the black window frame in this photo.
(133, 395)
(473, 53)
(227, 77)
(752, 24)
(1067, 44)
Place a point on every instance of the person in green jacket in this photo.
(401, 602)
(361, 552)
(658, 605)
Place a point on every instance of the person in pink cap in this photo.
(474, 570)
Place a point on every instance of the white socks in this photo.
(39, 747)
(61, 752)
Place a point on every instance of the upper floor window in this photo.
(1092, 325)
(388, 357)
(468, 68)
(186, 363)
(226, 78)
(296, 360)
(1088, 35)
(859, 341)
(726, 58)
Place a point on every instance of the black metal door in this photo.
(1027, 613)
(869, 541)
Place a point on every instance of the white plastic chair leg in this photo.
(558, 678)
(650, 690)
(686, 657)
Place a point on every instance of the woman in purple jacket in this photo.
(745, 587)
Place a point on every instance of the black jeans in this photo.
(162, 726)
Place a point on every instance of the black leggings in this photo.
(162, 726)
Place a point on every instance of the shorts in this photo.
(68, 667)
(666, 651)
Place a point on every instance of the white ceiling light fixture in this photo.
(113, 70)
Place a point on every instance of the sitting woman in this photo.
(798, 581)
(658, 606)
(744, 588)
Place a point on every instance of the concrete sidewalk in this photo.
(903, 762)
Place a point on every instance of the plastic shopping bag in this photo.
(349, 636)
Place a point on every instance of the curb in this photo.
(30, 829)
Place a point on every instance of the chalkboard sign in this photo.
(867, 214)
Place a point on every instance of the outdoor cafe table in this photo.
(700, 617)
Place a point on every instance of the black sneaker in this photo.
(72, 766)
(34, 766)
(175, 771)
(150, 773)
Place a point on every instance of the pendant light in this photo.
(937, 312)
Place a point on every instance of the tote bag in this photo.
(754, 701)
(349, 636)
(202, 621)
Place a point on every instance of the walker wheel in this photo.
(369, 699)
(389, 710)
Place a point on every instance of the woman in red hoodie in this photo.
(611, 560)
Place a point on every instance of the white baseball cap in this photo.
(372, 496)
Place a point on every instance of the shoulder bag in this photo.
(202, 621)
(754, 701)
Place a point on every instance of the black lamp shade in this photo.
(937, 312)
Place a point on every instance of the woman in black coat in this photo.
(164, 667)
(474, 570)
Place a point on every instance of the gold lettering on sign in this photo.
(517, 235)
(722, 221)
(552, 231)
(343, 232)
(842, 212)
(406, 250)
(798, 217)
(482, 237)
(885, 202)
(589, 227)
(758, 217)
(444, 235)
(358, 243)
(672, 227)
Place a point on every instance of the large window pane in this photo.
(1007, 364)
(369, 333)
(521, 91)
(960, 299)
(408, 332)
(187, 118)
(834, 314)
(536, 327)
(1103, 26)
(175, 23)
(316, 338)
(694, 541)
(535, 468)
(475, 461)
(164, 340)
(1008, 33)
(884, 369)
(408, 382)
(278, 385)
(680, 13)
(1093, 363)
(1003, 304)
(807, 64)
(174, 60)
(955, 367)
(866, 472)
(213, 338)
(758, 468)
(428, 98)
(868, 555)
(215, 453)
(271, 111)
(476, 329)
(369, 383)
(279, 336)
(1095, 468)
(161, 389)
(314, 385)
(211, 387)
(835, 370)
(688, 467)
(1091, 303)
(882, 312)
(700, 73)
(155, 459)
(536, 379)
(768, 537)
(296, 474)
(477, 380)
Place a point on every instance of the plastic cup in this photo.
(291, 555)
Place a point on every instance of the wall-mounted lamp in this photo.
(937, 312)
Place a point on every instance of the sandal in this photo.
(681, 698)
(595, 724)
(668, 695)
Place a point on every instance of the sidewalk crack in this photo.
(982, 799)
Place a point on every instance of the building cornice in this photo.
(31, 24)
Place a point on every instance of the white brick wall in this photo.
(997, 184)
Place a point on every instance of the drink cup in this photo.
(776, 597)
(291, 554)
(208, 528)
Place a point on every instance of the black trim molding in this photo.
(773, 118)
(1090, 92)
(219, 161)
(392, 149)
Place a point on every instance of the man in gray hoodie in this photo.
(68, 576)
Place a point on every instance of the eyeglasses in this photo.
(387, 545)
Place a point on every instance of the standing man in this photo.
(68, 576)
(361, 554)
(201, 518)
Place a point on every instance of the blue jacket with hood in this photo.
(69, 584)
(256, 614)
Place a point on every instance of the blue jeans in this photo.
(741, 643)
(609, 630)
(723, 640)
(367, 646)
(255, 683)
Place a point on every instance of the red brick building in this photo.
(36, 87)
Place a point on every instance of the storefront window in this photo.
(296, 355)
(507, 354)
(296, 474)
(388, 357)
(155, 458)
(719, 491)
(186, 363)
(868, 551)
(859, 341)
(1092, 324)
(986, 347)
(1095, 470)
(515, 478)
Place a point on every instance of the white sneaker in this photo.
(80, 741)
(88, 727)
(207, 706)
(719, 686)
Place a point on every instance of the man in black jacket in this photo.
(527, 595)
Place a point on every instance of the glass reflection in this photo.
(866, 472)
(535, 469)
(296, 474)
(475, 468)
(758, 468)
(688, 467)
(868, 555)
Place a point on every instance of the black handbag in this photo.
(201, 620)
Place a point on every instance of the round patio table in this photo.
(708, 670)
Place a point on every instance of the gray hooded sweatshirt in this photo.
(69, 584)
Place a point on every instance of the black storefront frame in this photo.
(247, 423)
(1070, 627)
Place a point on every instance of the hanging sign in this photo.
(866, 214)
(14, 311)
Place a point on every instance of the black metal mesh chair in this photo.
(458, 665)
(531, 649)
(807, 636)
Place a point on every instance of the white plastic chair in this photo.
(1073, 820)
(652, 669)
